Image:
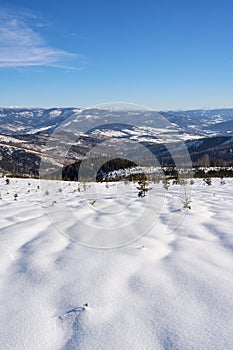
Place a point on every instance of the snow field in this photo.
(170, 289)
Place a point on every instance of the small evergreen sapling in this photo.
(186, 199)
(142, 186)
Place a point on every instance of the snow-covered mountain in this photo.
(20, 121)
(27, 133)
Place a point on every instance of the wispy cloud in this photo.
(21, 44)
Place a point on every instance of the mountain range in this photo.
(28, 134)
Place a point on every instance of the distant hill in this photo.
(25, 134)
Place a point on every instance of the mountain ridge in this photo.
(26, 132)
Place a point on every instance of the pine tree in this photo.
(142, 186)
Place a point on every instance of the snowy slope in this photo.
(167, 290)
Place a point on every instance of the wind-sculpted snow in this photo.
(167, 290)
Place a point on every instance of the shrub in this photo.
(208, 181)
(222, 181)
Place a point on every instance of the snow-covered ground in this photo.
(170, 289)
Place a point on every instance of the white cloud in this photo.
(22, 46)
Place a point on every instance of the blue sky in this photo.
(161, 54)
